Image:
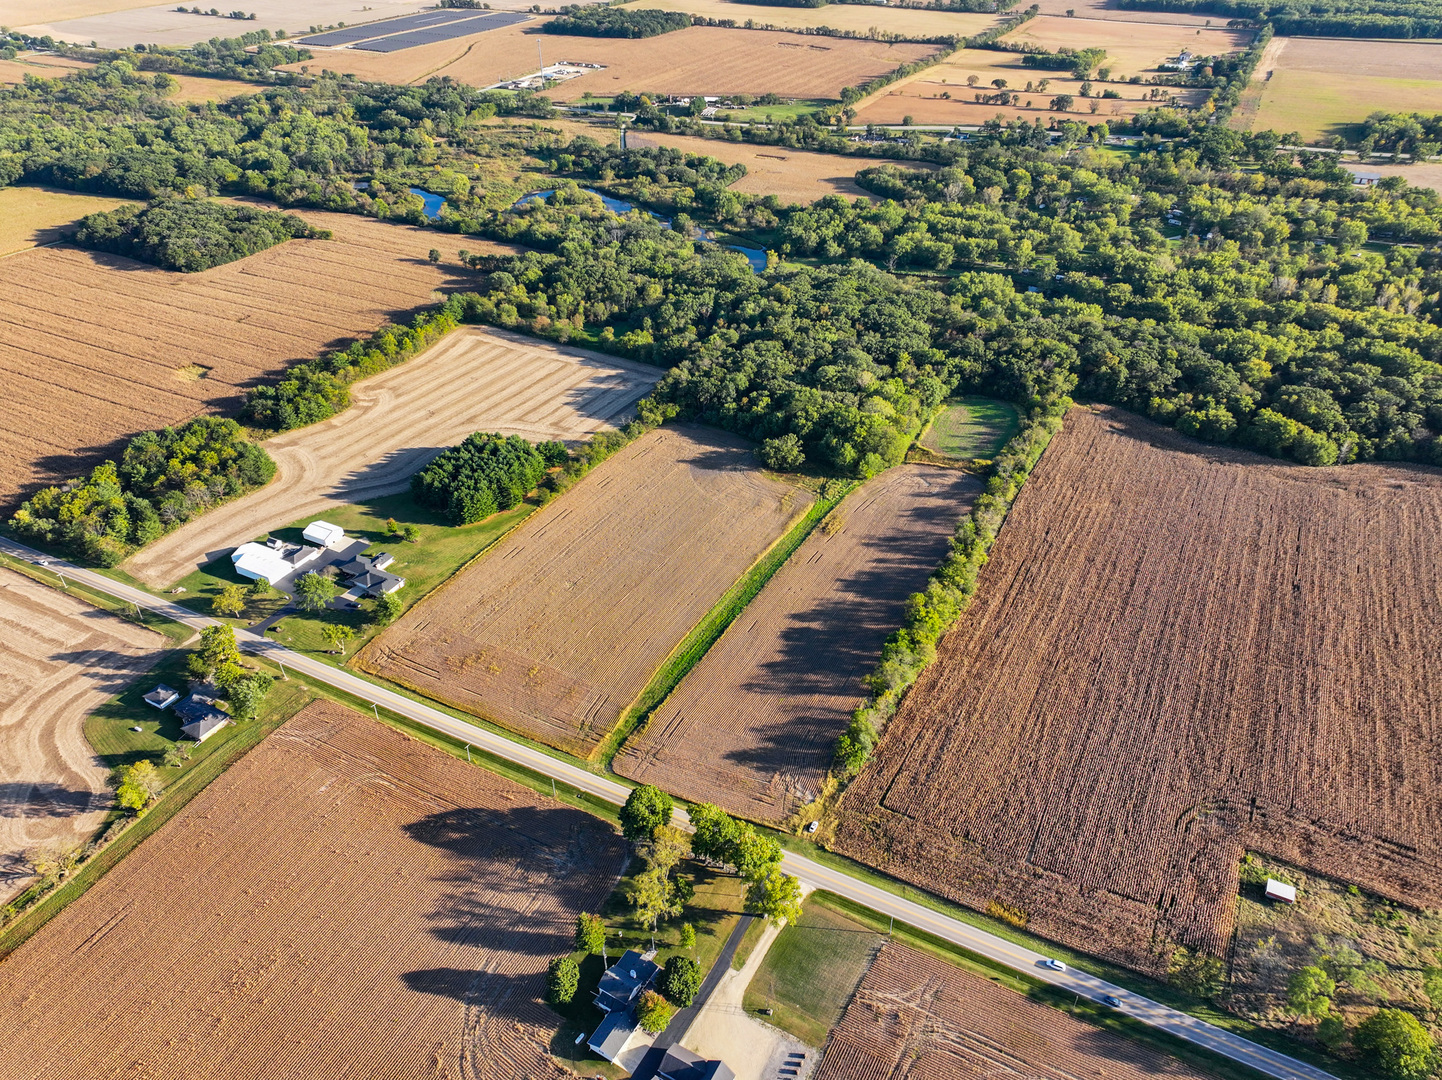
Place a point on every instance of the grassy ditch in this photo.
(709, 630)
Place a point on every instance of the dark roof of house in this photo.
(364, 574)
(623, 979)
(612, 1034)
(199, 730)
(681, 1064)
(196, 708)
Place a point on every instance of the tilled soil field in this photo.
(699, 59)
(471, 380)
(94, 348)
(915, 1016)
(559, 627)
(1176, 652)
(752, 727)
(61, 659)
(343, 902)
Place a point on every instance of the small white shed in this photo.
(324, 534)
(1280, 890)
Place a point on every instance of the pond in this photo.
(432, 202)
(755, 256)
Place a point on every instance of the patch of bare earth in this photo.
(1176, 653)
(558, 628)
(344, 901)
(915, 1017)
(752, 727)
(472, 380)
(60, 661)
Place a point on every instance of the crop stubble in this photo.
(699, 59)
(344, 901)
(1176, 652)
(752, 726)
(915, 1016)
(61, 660)
(472, 380)
(94, 347)
(558, 628)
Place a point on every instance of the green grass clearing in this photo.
(812, 969)
(970, 428)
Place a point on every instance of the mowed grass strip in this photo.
(971, 428)
(812, 969)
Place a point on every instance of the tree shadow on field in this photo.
(518, 878)
(43, 798)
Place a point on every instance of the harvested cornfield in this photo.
(915, 1016)
(699, 59)
(472, 380)
(62, 658)
(557, 629)
(1133, 48)
(1176, 652)
(344, 901)
(94, 348)
(753, 726)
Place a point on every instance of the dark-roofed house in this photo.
(201, 717)
(623, 982)
(367, 574)
(162, 697)
(613, 1034)
(680, 1064)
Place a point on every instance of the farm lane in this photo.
(470, 380)
(1234, 1047)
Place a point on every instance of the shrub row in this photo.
(948, 594)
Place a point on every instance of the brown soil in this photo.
(559, 627)
(915, 1016)
(61, 660)
(1133, 48)
(344, 901)
(472, 380)
(1176, 652)
(752, 727)
(699, 59)
(95, 348)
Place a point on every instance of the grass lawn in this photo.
(714, 911)
(772, 113)
(812, 969)
(971, 427)
(439, 551)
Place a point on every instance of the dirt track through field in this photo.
(558, 628)
(343, 902)
(471, 380)
(61, 659)
(94, 348)
(915, 1017)
(1177, 652)
(752, 727)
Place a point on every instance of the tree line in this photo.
(1317, 18)
(190, 234)
(483, 474)
(602, 21)
(163, 480)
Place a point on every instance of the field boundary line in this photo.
(1265, 1061)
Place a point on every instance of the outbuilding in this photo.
(1280, 890)
(162, 697)
(324, 534)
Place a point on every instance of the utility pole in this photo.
(376, 711)
(468, 753)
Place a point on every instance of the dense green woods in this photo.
(485, 473)
(1317, 18)
(163, 480)
(190, 234)
(601, 21)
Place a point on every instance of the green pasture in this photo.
(971, 427)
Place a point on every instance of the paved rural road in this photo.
(1265, 1061)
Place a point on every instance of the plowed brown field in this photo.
(1176, 652)
(94, 348)
(752, 727)
(471, 380)
(699, 59)
(61, 659)
(915, 1016)
(559, 627)
(343, 902)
